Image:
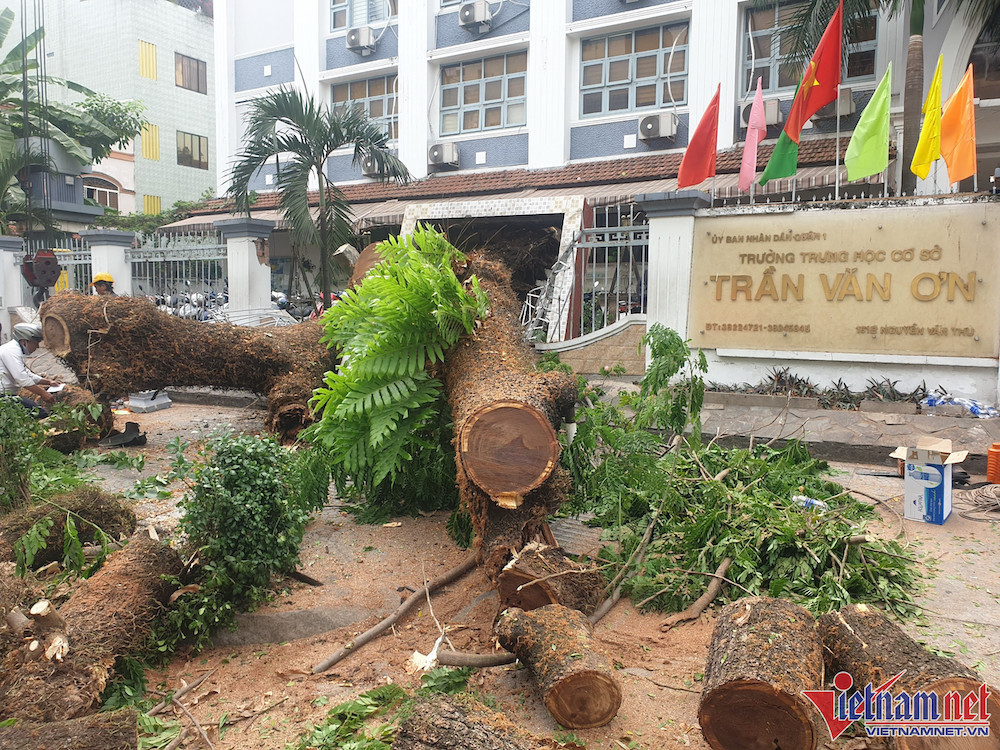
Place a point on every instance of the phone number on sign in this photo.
(758, 327)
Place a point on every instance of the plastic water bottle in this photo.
(810, 503)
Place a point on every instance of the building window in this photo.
(147, 60)
(483, 94)
(644, 69)
(192, 150)
(150, 137)
(101, 192)
(376, 96)
(985, 59)
(769, 48)
(353, 13)
(151, 204)
(190, 73)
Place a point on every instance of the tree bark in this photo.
(114, 730)
(506, 414)
(460, 722)
(861, 641)
(913, 89)
(107, 616)
(538, 575)
(573, 675)
(121, 345)
(764, 653)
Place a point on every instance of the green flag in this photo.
(784, 159)
(868, 151)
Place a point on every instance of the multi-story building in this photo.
(157, 52)
(484, 86)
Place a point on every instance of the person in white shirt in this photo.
(14, 373)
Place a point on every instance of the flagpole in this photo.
(836, 184)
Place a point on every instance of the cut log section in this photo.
(764, 653)
(538, 575)
(861, 641)
(107, 616)
(123, 345)
(573, 675)
(505, 413)
(112, 730)
(460, 722)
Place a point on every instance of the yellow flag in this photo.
(929, 146)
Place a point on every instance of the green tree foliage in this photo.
(123, 119)
(706, 503)
(382, 408)
(21, 438)
(288, 126)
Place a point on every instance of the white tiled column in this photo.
(107, 255)
(11, 287)
(546, 85)
(713, 58)
(249, 274)
(671, 250)
(416, 23)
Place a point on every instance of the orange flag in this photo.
(958, 131)
(698, 163)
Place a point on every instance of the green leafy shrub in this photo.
(20, 440)
(383, 408)
(244, 516)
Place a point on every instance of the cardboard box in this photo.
(927, 479)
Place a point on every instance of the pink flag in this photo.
(756, 130)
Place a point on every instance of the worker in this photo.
(15, 375)
(102, 284)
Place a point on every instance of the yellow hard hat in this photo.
(103, 277)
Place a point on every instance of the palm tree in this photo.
(287, 124)
(808, 24)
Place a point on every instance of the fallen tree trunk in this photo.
(505, 412)
(460, 722)
(573, 675)
(122, 345)
(505, 415)
(764, 653)
(861, 641)
(113, 730)
(107, 616)
(538, 575)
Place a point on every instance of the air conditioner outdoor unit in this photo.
(368, 167)
(475, 16)
(772, 113)
(442, 154)
(657, 125)
(361, 39)
(847, 106)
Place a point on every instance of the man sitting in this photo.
(15, 375)
(103, 284)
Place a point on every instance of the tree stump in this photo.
(113, 730)
(107, 616)
(121, 345)
(573, 675)
(538, 575)
(460, 722)
(764, 653)
(861, 641)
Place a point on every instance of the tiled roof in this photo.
(812, 152)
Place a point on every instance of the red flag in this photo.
(821, 79)
(698, 163)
